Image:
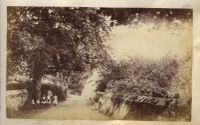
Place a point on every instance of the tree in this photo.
(125, 16)
(47, 40)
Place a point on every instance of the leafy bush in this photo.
(17, 85)
(60, 91)
(166, 78)
(144, 77)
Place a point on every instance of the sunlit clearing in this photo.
(149, 41)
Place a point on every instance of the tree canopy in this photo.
(47, 40)
(57, 38)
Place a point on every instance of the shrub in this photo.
(17, 85)
(136, 77)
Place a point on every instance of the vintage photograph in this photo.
(86, 63)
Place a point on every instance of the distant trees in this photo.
(47, 40)
(125, 16)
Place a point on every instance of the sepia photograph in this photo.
(98, 63)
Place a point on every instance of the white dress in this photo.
(43, 100)
(55, 100)
(48, 99)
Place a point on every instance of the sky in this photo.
(148, 41)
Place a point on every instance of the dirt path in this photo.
(74, 108)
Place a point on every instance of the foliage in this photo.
(17, 86)
(56, 37)
(182, 82)
(139, 74)
(124, 16)
(148, 86)
(140, 77)
(47, 40)
(60, 91)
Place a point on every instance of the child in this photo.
(33, 102)
(48, 99)
(38, 103)
(55, 100)
(43, 101)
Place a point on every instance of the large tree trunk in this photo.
(36, 88)
(36, 81)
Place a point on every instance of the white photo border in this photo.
(195, 5)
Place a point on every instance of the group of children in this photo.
(47, 100)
